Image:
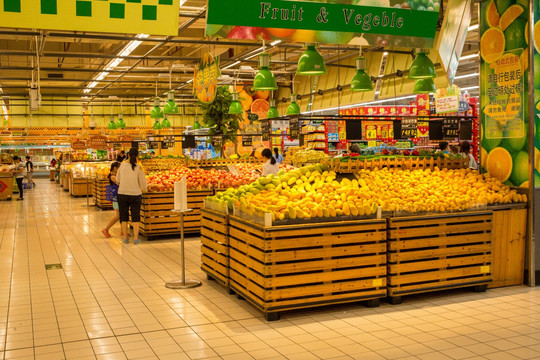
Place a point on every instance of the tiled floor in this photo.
(109, 302)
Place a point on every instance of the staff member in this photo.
(18, 171)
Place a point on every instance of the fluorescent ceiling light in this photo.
(466, 57)
(182, 2)
(275, 42)
(231, 65)
(189, 81)
(369, 103)
(473, 27)
(466, 76)
(470, 88)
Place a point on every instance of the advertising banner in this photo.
(362, 22)
(503, 84)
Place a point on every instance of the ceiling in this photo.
(67, 63)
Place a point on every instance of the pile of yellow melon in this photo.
(312, 192)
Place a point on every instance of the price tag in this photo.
(371, 132)
(153, 144)
(372, 144)
(485, 269)
(377, 282)
(294, 128)
(247, 141)
(450, 128)
(168, 142)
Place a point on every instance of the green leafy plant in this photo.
(216, 117)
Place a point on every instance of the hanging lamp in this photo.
(157, 125)
(424, 86)
(170, 106)
(165, 124)
(311, 62)
(293, 108)
(156, 112)
(112, 125)
(120, 124)
(361, 81)
(236, 106)
(264, 79)
(272, 112)
(422, 67)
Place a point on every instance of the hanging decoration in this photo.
(205, 79)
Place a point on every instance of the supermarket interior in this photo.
(234, 179)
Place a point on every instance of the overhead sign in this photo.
(205, 79)
(157, 17)
(98, 142)
(447, 100)
(324, 22)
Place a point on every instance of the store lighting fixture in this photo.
(126, 51)
(170, 107)
(473, 27)
(361, 81)
(470, 88)
(231, 65)
(470, 56)
(311, 62)
(275, 42)
(156, 112)
(424, 86)
(157, 125)
(422, 67)
(120, 124)
(466, 76)
(236, 106)
(264, 79)
(112, 125)
(165, 124)
(293, 108)
(272, 112)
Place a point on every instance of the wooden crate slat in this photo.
(322, 253)
(249, 262)
(436, 230)
(432, 253)
(439, 241)
(439, 285)
(218, 258)
(407, 267)
(323, 276)
(411, 221)
(290, 268)
(247, 238)
(215, 245)
(221, 247)
(316, 241)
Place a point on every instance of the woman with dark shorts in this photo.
(132, 182)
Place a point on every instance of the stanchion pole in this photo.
(182, 283)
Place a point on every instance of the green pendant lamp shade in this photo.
(311, 62)
(170, 107)
(196, 125)
(424, 86)
(165, 124)
(157, 125)
(112, 125)
(236, 106)
(361, 81)
(293, 109)
(264, 80)
(120, 124)
(156, 112)
(272, 112)
(422, 67)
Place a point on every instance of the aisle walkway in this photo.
(108, 301)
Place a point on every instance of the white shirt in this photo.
(472, 161)
(130, 182)
(268, 168)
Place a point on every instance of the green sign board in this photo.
(362, 22)
(158, 17)
(503, 90)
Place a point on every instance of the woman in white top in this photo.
(271, 166)
(465, 150)
(131, 183)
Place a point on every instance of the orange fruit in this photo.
(524, 59)
(307, 36)
(537, 36)
(499, 164)
(492, 45)
(262, 94)
(511, 14)
(245, 99)
(492, 15)
(281, 33)
(260, 107)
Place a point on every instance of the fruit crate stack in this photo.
(6, 186)
(215, 243)
(222, 162)
(99, 193)
(409, 163)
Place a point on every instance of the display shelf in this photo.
(290, 267)
(99, 193)
(6, 186)
(410, 163)
(430, 253)
(215, 245)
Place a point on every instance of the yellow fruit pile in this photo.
(308, 156)
(436, 191)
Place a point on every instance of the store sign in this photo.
(324, 22)
(265, 129)
(294, 128)
(127, 139)
(503, 71)
(463, 106)
(247, 141)
(450, 128)
(205, 79)
(98, 142)
(157, 17)
(168, 142)
(409, 129)
(447, 100)
(3, 186)
(78, 145)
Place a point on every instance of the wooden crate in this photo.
(158, 219)
(52, 174)
(509, 238)
(65, 180)
(297, 266)
(99, 193)
(6, 187)
(81, 187)
(410, 163)
(437, 252)
(215, 245)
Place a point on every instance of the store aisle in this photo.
(108, 301)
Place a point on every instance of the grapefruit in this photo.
(281, 33)
(492, 45)
(245, 99)
(262, 94)
(492, 136)
(520, 169)
(511, 14)
(537, 36)
(515, 135)
(499, 164)
(260, 107)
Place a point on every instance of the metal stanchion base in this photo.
(179, 284)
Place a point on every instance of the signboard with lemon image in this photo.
(536, 49)
(503, 77)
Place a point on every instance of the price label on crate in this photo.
(409, 129)
(217, 141)
(247, 141)
(168, 142)
(294, 128)
(153, 144)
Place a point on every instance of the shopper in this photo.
(443, 146)
(18, 171)
(465, 150)
(131, 182)
(454, 149)
(355, 149)
(277, 156)
(30, 171)
(112, 182)
(271, 166)
(121, 156)
(53, 163)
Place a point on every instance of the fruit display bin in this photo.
(289, 267)
(222, 162)
(215, 245)
(157, 217)
(52, 174)
(437, 252)
(99, 192)
(6, 186)
(65, 180)
(409, 163)
(80, 186)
